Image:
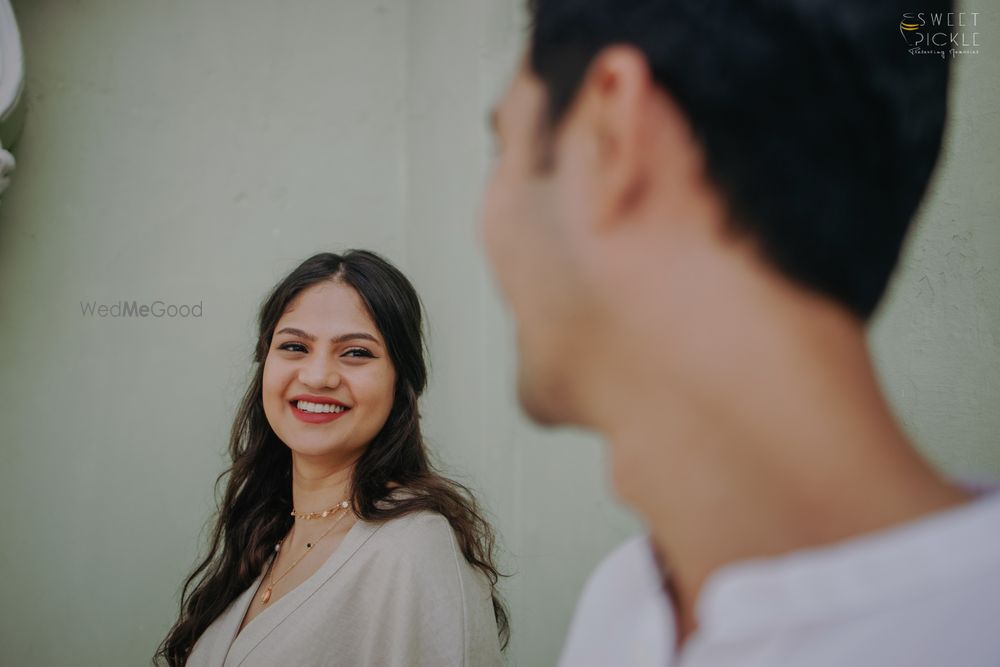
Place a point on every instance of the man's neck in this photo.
(790, 445)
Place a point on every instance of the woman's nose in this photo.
(319, 372)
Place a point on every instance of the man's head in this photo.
(658, 140)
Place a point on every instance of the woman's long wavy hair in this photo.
(254, 515)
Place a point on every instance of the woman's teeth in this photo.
(306, 406)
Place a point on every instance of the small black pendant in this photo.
(308, 546)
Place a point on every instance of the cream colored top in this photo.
(392, 593)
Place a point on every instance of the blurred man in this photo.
(695, 209)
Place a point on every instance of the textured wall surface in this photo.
(194, 152)
(937, 338)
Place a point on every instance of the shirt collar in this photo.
(749, 597)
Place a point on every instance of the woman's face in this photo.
(328, 382)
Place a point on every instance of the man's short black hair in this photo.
(819, 127)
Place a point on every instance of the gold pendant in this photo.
(266, 596)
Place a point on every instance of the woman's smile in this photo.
(317, 409)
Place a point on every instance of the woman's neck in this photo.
(318, 485)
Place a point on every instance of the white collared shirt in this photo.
(921, 594)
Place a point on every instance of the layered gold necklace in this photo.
(319, 515)
(342, 505)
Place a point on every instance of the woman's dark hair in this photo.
(254, 512)
(819, 123)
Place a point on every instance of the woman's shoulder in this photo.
(418, 536)
(420, 552)
(419, 527)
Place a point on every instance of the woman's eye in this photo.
(293, 347)
(358, 352)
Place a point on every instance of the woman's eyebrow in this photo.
(360, 335)
(343, 338)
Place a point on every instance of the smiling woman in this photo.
(337, 542)
(327, 362)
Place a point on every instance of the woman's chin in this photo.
(307, 449)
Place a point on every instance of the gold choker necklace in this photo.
(343, 504)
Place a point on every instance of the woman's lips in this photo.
(315, 417)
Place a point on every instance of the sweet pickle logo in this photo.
(907, 27)
(941, 34)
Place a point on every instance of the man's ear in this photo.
(617, 96)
